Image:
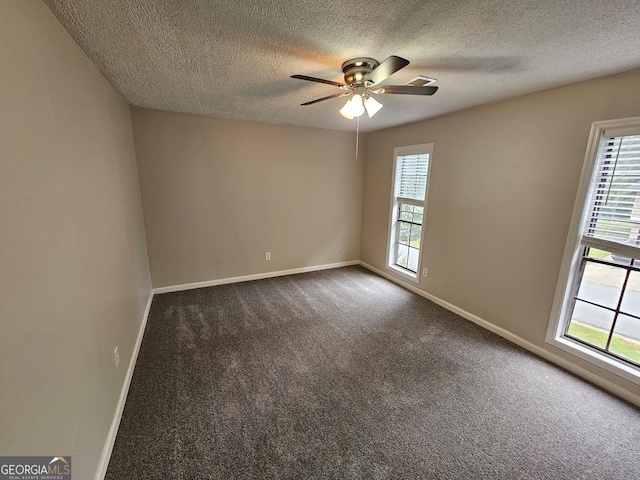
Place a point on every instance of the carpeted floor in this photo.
(341, 374)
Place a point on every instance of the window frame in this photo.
(424, 148)
(569, 275)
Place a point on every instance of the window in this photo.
(597, 310)
(408, 208)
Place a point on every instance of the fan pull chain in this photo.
(357, 134)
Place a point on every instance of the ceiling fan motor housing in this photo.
(356, 69)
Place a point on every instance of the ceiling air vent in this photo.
(421, 81)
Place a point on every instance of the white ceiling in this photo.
(233, 58)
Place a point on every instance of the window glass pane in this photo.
(591, 324)
(408, 216)
(614, 201)
(412, 264)
(621, 259)
(404, 232)
(626, 338)
(411, 175)
(615, 230)
(403, 254)
(600, 254)
(631, 299)
(417, 218)
(602, 284)
(416, 233)
(404, 207)
(603, 255)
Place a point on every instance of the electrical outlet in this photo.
(346, 249)
(267, 256)
(116, 357)
(424, 272)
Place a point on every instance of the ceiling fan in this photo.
(362, 76)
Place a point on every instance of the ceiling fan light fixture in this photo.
(353, 108)
(357, 108)
(372, 106)
(345, 111)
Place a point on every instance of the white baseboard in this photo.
(535, 349)
(256, 276)
(115, 424)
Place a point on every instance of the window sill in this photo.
(594, 357)
(404, 273)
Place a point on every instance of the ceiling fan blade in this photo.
(319, 80)
(387, 68)
(407, 90)
(335, 95)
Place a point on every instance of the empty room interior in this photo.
(325, 240)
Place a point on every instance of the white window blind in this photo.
(412, 177)
(612, 220)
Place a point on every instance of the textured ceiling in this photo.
(232, 58)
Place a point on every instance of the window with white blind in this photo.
(596, 314)
(408, 208)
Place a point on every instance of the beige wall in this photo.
(74, 278)
(503, 184)
(218, 194)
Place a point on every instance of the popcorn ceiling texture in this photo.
(232, 59)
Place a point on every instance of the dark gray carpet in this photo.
(341, 374)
